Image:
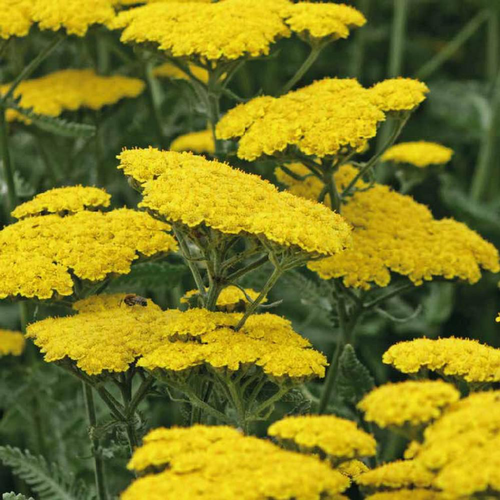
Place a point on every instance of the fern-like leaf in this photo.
(14, 496)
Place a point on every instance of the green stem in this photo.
(398, 38)
(140, 395)
(493, 44)
(358, 59)
(247, 269)
(98, 461)
(153, 102)
(269, 402)
(393, 293)
(6, 160)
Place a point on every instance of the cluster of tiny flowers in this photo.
(196, 142)
(410, 403)
(188, 189)
(398, 94)
(11, 343)
(70, 90)
(202, 337)
(15, 18)
(39, 254)
(212, 31)
(394, 233)
(353, 468)
(62, 201)
(170, 70)
(231, 296)
(339, 439)
(452, 357)
(219, 463)
(420, 154)
(408, 494)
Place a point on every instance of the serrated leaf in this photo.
(354, 379)
(13, 496)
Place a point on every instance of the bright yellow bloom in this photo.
(62, 201)
(421, 153)
(212, 31)
(321, 20)
(353, 468)
(398, 94)
(15, 18)
(196, 142)
(11, 343)
(338, 438)
(191, 190)
(72, 89)
(231, 296)
(463, 358)
(320, 119)
(407, 403)
(413, 494)
(218, 463)
(397, 475)
(39, 254)
(202, 337)
(109, 339)
(394, 233)
(169, 70)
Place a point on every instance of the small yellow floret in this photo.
(230, 296)
(411, 494)
(420, 154)
(196, 142)
(11, 343)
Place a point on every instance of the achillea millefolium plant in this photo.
(239, 259)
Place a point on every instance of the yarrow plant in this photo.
(219, 280)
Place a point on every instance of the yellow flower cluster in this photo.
(169, 70)
(420, 154)
(62, 201)
(212, 31)
(398, 94)
(408, 494)
(407, 403)
(191, 190)
(229, 297)
(196, 142)
(396, 475)
(214, 463)
(338, 438)
(72, 89)
(105, 335)
(15, 18)
(11, 343)
(394, 233)
(463, 447)
(352, 468)
(322, 20)
(319, 119)
(202, 337)
(39, 254)
(463, 358)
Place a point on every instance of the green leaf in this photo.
(13, 496)
(354, 379)
(46, 480)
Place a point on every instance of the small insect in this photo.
(135, 300)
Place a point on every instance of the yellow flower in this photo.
(397, 475)
(70, 90)
(97, 340)
(231, 296)
(320, 119)
(220, 463)
(191, 190)
(317, 20)
(39, 254)
(196, 142)
(11, 343)
(169, 70)
(352, 468)
(407, 403)
(338, 438)
(398, 94)
(394, 233)
(212, 31)
(202, 337)
(421, 153)
(404, 494)
(463, 358)
(62, 201)
(15, 18)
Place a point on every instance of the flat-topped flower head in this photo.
(396, 475)
(170, 70)
(225, 30)
(11, 343)
(337, 438)
(395, 234)
(218, 462)
(70, 90)
(320, 119)
(196, 142)
(411, 403)
(229, 298)
(16, 18)
(398, 94)
(408, 494)
(106, 339)
(353, 468)
(40, 255)
(62, 201)
(190, 190)
(461, 358)
(200, 337)
(419, 154)
(462, 448)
